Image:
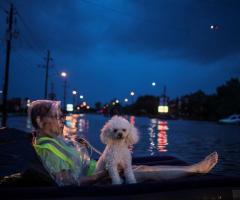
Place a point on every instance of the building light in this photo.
(163, 109)
(28, 103)
(69, 107)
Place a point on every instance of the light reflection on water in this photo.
(162, 136)
(77, 125)
(190, 141)
(158, 140)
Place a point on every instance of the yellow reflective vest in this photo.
(67, 156)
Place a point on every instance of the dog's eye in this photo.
(124, 130)
(114, 130)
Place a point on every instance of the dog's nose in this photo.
(119, 135)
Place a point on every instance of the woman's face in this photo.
(54, 124)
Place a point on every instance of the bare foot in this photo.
(206, 164)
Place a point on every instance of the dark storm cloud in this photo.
(182, 29)
(124, 44)
(179, 29)
(53, 24)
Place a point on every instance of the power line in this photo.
(23, 61)
(29, 45)
(144, 20)
(34, 40)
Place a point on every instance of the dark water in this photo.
(190, 141)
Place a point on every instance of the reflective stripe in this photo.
(91, 168)
(55, 147)
(56, 152)
(64, 152)
(47, 139)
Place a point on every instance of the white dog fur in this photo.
(118, 134)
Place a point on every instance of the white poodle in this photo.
(118, 134)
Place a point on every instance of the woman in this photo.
(69, 164)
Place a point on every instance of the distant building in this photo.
(163, 107)
(17, 104)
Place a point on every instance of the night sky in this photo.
(110, 47)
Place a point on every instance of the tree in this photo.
(98, 105)
(228, 98)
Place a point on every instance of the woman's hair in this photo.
(41, 109)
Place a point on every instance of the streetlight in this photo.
(81, 98)
(74, 93)
(153, 84)
(132, 94)
(126, 100)
(64, 75)
(117, 101)
(1, 92)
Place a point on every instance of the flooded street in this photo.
(190, 141)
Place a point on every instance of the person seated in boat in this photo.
(68, 163)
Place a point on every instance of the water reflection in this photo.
(29, 124)
(76, 125)
(83, 125)
(157, 136)
(132, 120)
(162, 136)
(152, 135)
(70, 127)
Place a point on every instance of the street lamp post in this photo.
(64, 75)
(132, 94)
(74, 93)
(81, 98)
(154, 85)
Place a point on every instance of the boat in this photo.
(194, 187)
(34, 182)
(232, 119)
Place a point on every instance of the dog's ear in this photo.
(132, 137)
(104, 136)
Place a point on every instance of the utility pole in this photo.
(64, 93)
(10, 35)
(52, 95)
(46, 75)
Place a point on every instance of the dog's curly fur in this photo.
(118, 134)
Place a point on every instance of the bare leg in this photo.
(143, 172)
(170, 172)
